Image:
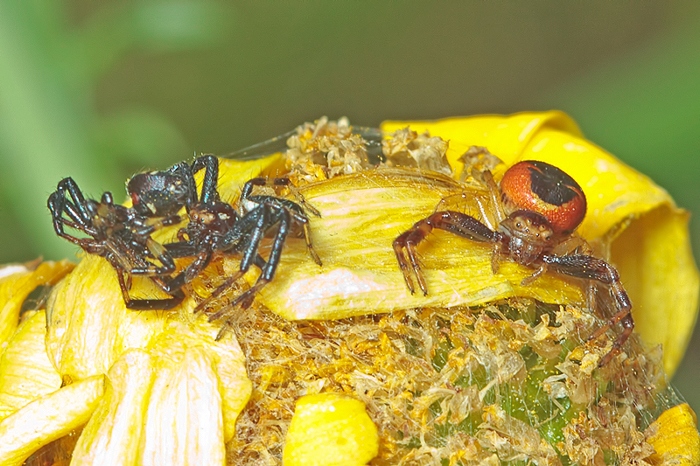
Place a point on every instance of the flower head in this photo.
(341, 364)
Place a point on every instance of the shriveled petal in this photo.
(184, 423)
(224, 356)
(89, 325)
(48, 418)
(113, 434)
(174, 402)
(653, 251)
(16, 283)
(25, 370)
(361, 215)
(330, 429)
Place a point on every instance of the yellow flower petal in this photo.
(171, 403)
(675, 438)
(113, 434)
(224, 356)
(92, 332)
(330, 429)
(48, 418)
(184, 423)
(16, 284)
(653, 253)
(25, 370)
(89, 325)
(361, 215)
(234, 173)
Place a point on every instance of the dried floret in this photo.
(406, 148)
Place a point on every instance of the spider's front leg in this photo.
(592, 268)
(246, 192)
(457, 223)
(210, 192)
(247, 235)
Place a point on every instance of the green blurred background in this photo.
(100, 90)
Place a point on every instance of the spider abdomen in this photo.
(547, 190)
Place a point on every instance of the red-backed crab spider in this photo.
(538, 207)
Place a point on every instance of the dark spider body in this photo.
(122, 235)
(215, 227)
(538, 207)
(162, 193)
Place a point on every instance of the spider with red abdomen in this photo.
(538, 207)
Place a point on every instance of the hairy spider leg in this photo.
(208, 210)
(276, 182)
(455, 222)
(247, 234)
(592, 268)
(297, 216)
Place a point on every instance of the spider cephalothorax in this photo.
(537, 208)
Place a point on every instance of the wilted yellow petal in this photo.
(25, 370)
(15, 287)
(361, 215)
(172, 402)
(653, 254)
(675, 438)
(184, 423)
(225, 357)
(47, 419)
(330, 429)
(89, 325)
(113, 434)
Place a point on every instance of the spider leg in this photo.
(69, 185)
(78, 217)
(203, 256)
(534, 276)
(138, 304)
(210, 163)
(457, 223)
(592, 268)
(278, 215)
(268, 271)
(286, 182)
(297, 216)
(309, 245)
(221, 289)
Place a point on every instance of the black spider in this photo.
(216, 226)
(122, 235)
